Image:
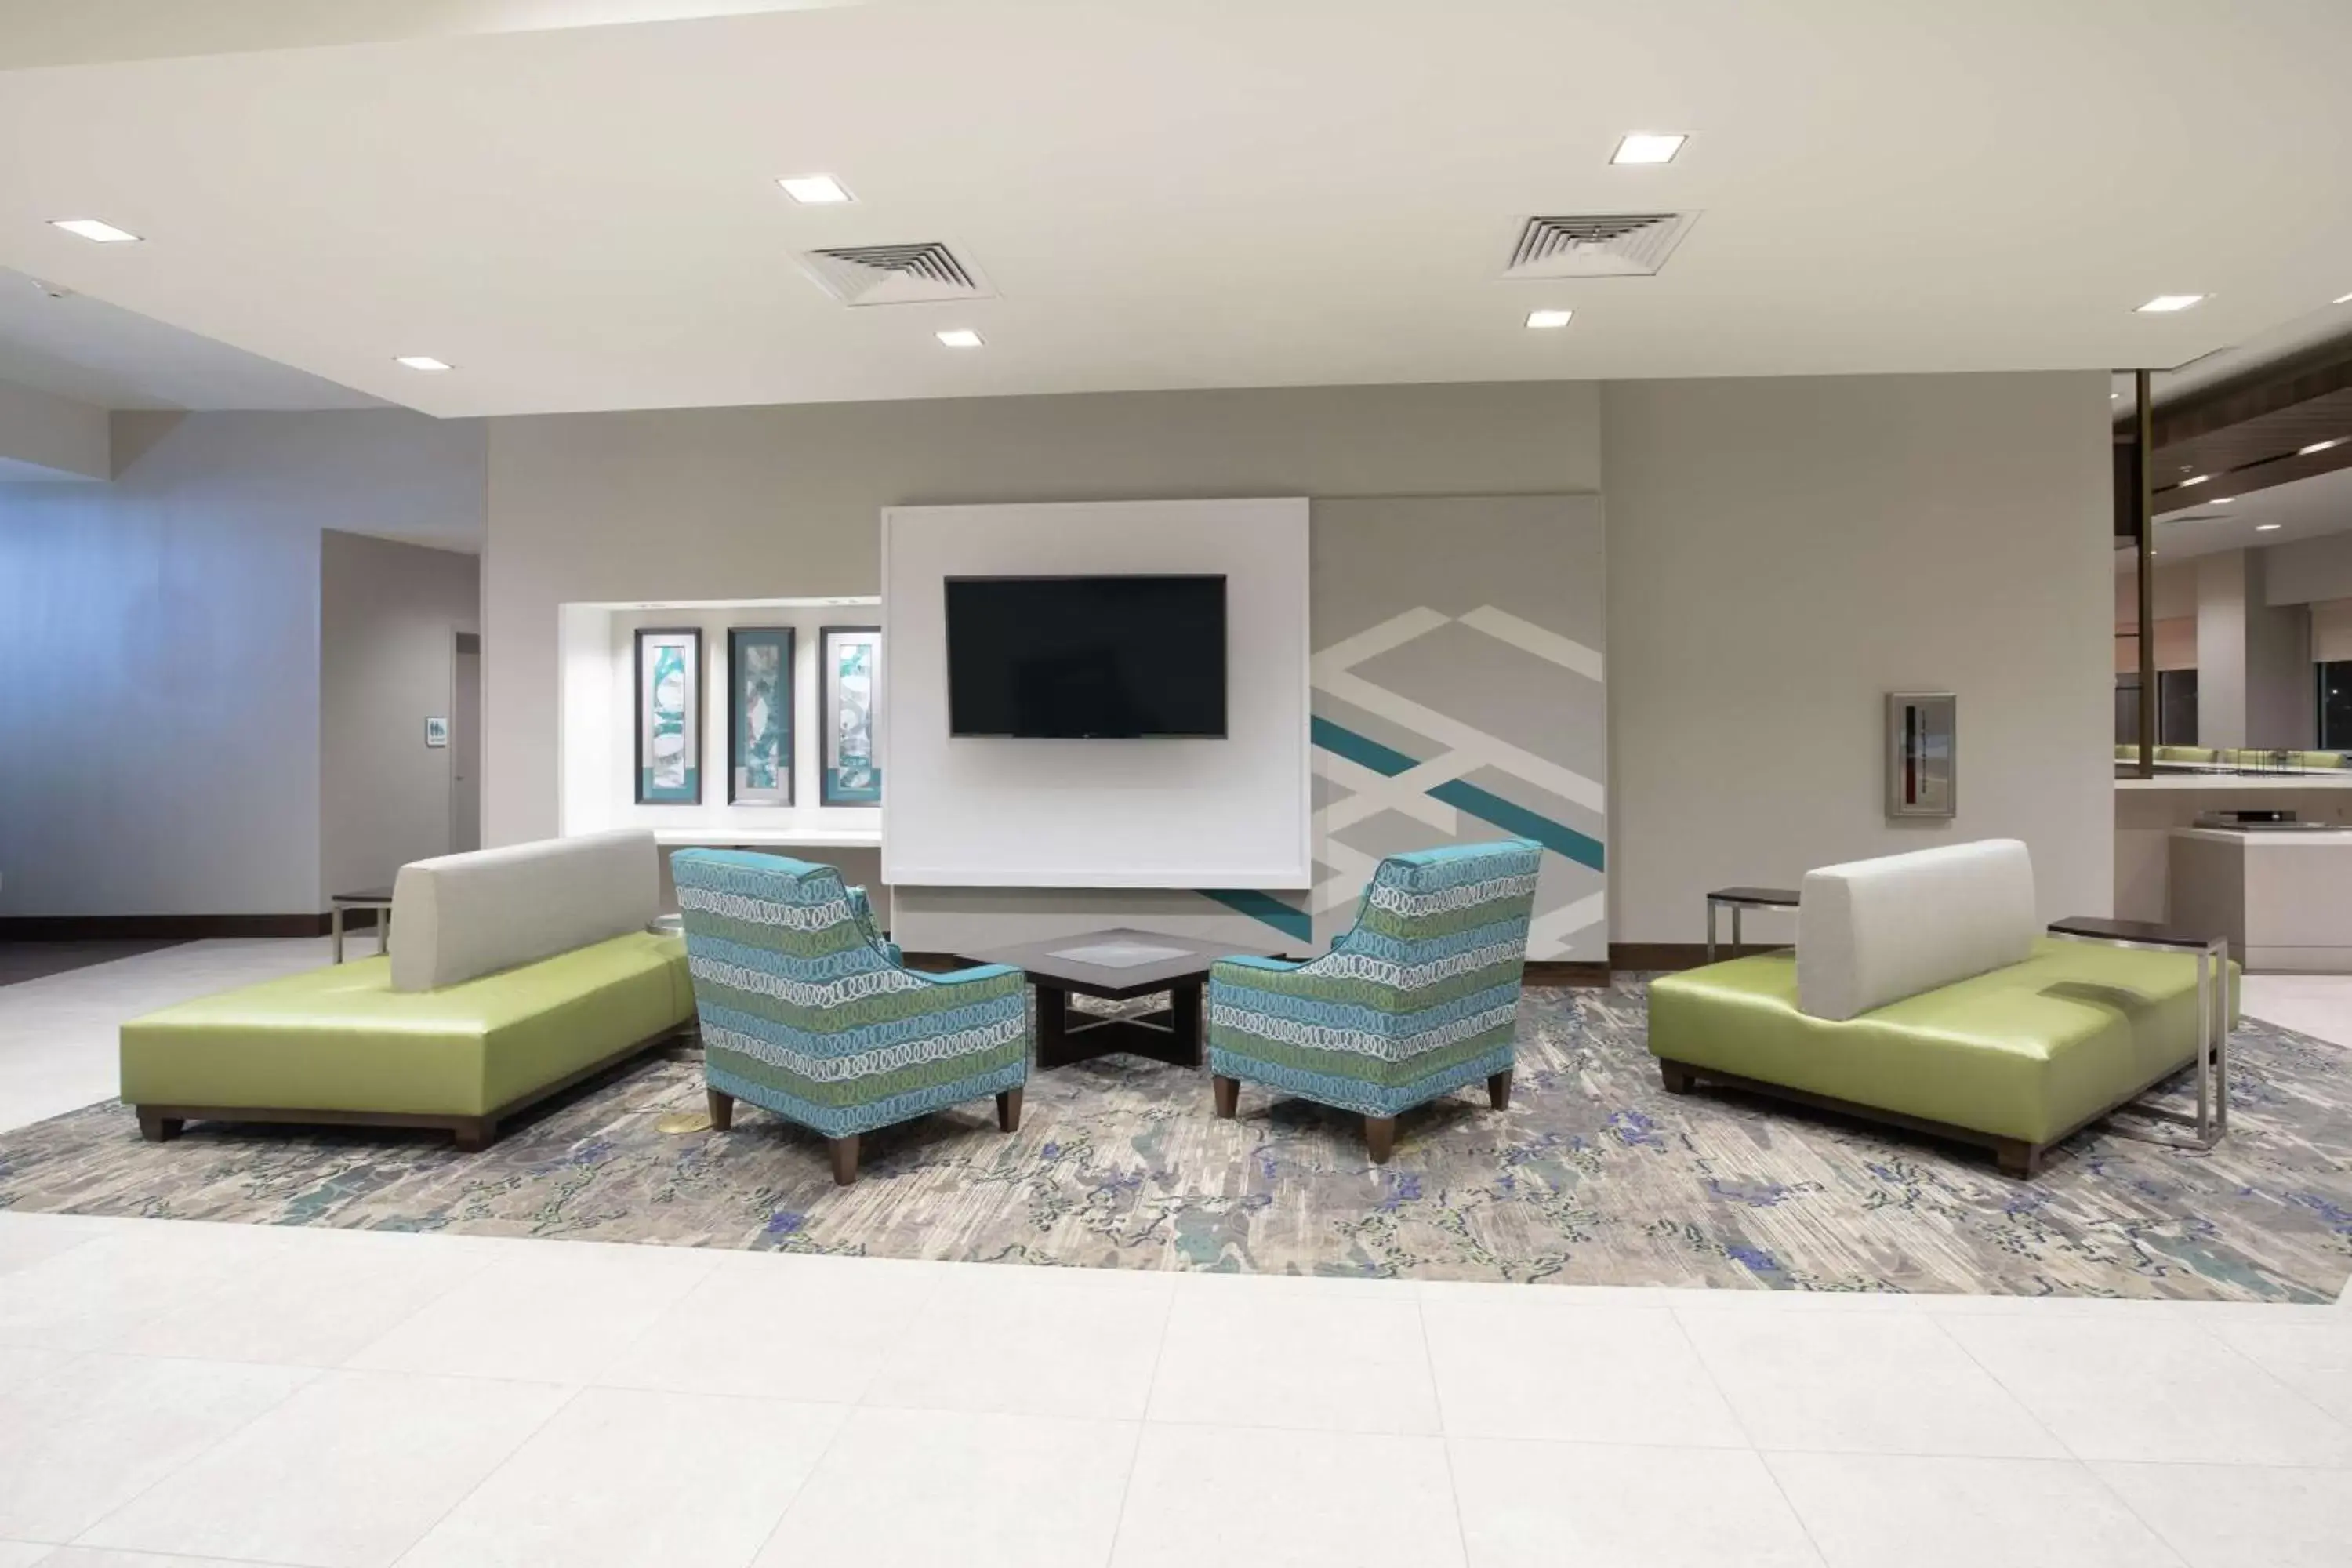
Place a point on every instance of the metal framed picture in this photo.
(760, 715)
(669, 717)
(1922, 753)
(849, 680)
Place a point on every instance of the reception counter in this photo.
(2284, 899)
(2148, 810)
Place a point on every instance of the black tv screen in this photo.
(1086, 658)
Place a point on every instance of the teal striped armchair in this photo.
(1419, 999)
(807, 1013)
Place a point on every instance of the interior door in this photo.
(466, 746)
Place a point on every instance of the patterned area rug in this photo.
(1595, 1176)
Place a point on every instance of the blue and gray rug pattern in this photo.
(1595, 1177)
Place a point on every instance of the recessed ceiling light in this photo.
(2341, 300)
(2164, 302)
(2194, 479)
(960, 338)
(2113, 395)
(1545, 319)
(2221, 500)
(816, 190)
(89, 229)
(1648, 147)
(2265, 527)
(2318, 446)
(423, 362)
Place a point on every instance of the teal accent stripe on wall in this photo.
(1487, 807)
(1361, 750)
(1484, 804)
(1260, 906)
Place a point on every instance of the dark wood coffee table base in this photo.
(1170, 1034)
(1058, 968)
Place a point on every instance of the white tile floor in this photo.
(175, 1393)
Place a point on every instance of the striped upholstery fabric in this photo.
(1422, 997)
(806, 1012)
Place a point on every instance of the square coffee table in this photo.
(1117, 964)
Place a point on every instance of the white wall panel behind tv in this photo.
(987, 811)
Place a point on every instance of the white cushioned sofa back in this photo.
(459, 916)
(1874, 932)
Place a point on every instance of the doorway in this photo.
(465, 745)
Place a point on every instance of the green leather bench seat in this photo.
(341, 1039)
(2027, 1052)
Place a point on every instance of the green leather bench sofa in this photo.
(2242, 757)
(514, 974)
(1923, 992)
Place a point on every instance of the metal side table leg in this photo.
(335, 929)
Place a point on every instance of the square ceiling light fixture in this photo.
(1648, 147)
(1543, 321)
(423, 362)
(91, 229)
(959, 338)
(816, 190)
(2164, 304)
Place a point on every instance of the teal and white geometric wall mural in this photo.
(1460, 694)
(669, 717)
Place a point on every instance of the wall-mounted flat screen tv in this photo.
(1086, 658)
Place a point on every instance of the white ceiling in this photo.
(2304, 510)
(91, 351)
(1216, 194)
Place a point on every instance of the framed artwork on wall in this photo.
(669, 717)
(1923, 754)
(758, 715)
(849, 686)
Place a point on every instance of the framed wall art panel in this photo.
(758, 715)
(669, 717)
(849, 667)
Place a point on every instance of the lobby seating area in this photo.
(1110, 785)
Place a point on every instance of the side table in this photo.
(2212, 954)
(376, 898)
(1739, 899)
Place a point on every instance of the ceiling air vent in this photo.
(895, 274)
(1610, 244)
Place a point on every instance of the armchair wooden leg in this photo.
(158, 1129)
(474, 1134)
(722, 1110)
(1498, 1089)
(1008, 1110)
(2018, 1158)
(1380, 1137)
(1228, 1091)
(845, 1159)
(1677, 1078)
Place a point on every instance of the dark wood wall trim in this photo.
(177, 928)
(1679, 954)
(1552, 972)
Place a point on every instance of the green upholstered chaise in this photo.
(2038, 1037)
(526, 969)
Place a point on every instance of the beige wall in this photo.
(389, 615)
(781, 502)
(1782, 553)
